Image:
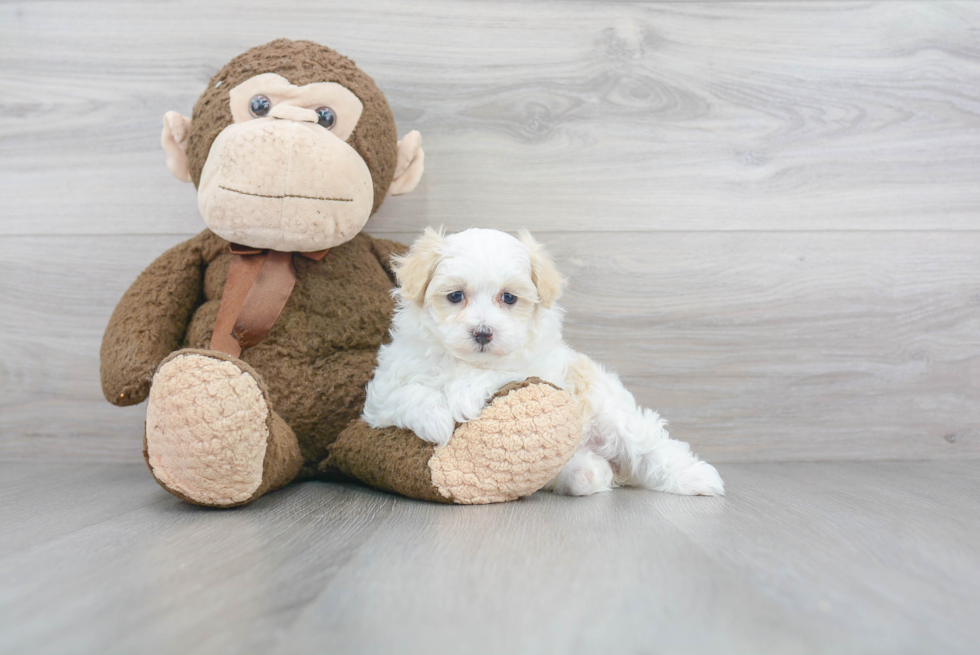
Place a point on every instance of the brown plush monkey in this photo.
(253, 341)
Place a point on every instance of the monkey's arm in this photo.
(150, 320)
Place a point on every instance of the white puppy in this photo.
(476, 310)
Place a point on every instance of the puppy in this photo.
(477, 310)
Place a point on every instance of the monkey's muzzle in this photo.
(285, 185)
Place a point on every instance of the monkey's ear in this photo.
(544, 274)
(414, 269)
(176, 131)
(408, 170)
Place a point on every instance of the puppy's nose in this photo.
(483, 335)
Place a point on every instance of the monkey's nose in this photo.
(294, 113)
(483, 334)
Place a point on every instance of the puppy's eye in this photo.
(455, 297)
(509, 298)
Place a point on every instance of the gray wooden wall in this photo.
(768, 210)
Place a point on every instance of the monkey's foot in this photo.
(524, 436)
(212, 437)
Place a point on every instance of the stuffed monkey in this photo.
(254, 340)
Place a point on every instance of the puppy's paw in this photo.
(467, 407)
(699, 479)
(434, 423)
(467, 400)
(585, 474)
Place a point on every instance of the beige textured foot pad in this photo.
(211, 437)
(522, 440)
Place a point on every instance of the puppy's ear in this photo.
(546, 278)
(414, 269)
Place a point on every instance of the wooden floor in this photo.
(872, 557)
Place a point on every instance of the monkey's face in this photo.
(283, 176)
(291, 166)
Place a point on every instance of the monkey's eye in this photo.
(455, 297)
(327, 117)
(259, 106)
(509, 298)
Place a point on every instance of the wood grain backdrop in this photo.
(768, 210)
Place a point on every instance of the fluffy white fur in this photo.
(447, 358)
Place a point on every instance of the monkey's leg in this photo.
(212, 437)
(522, 439)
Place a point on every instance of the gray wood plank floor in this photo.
(861, 557)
